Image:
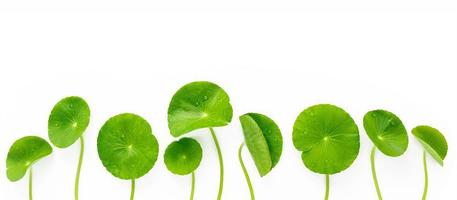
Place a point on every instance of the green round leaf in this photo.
(433, 142)
(68, 120)
(386, 131)
(127, 147)
(198, 105)
(328, 138)
(263, 139)
(183, 157)
(23, 154)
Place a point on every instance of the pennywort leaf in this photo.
(328, 138)
(433, 142)
(386, 131)
(388, 134)
(127, 147)
(23, 154)
(198, 105)
(182, 157)
(68, 120)
(263, 140)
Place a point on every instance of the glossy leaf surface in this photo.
(198, 105)
(328, 138)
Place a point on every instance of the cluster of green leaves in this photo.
(326, 135)
(67, 122)
(194, 106)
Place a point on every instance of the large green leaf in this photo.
(386, 131)
(433, 142)
(198, 105)
(24, 153)
(183, 156)
(263, 139)
(68, 120)
(328, 138)
(127, 147)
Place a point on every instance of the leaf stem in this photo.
(193, 186)
(221, 164)
(78, 172)
(327, 186)
(373, 172)
(132, 191)
(424, 195)
(248, 180)
(30, 184)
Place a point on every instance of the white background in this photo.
(272, 57)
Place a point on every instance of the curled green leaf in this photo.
(127, 147)
(68, 120)
(23, 154)
(263, 140)
(386, 131)
(433, 142)
(328, 138)
(198, 105)
(183, 157)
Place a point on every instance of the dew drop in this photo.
(311, 113)
(115, 170)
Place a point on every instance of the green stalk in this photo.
(132, 191)
(246, 175)
(221, 164)
(424, 195)
(30, 184)
(78, 172)
(193, 186)
(373, 172)
(327, 186)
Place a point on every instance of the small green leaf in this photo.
(23, 154)
(386, 131)
(433, 142)
(127, 147)
(328, 138)
(263, 139)
(182, 157)
(198, 105)
(68, 120)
